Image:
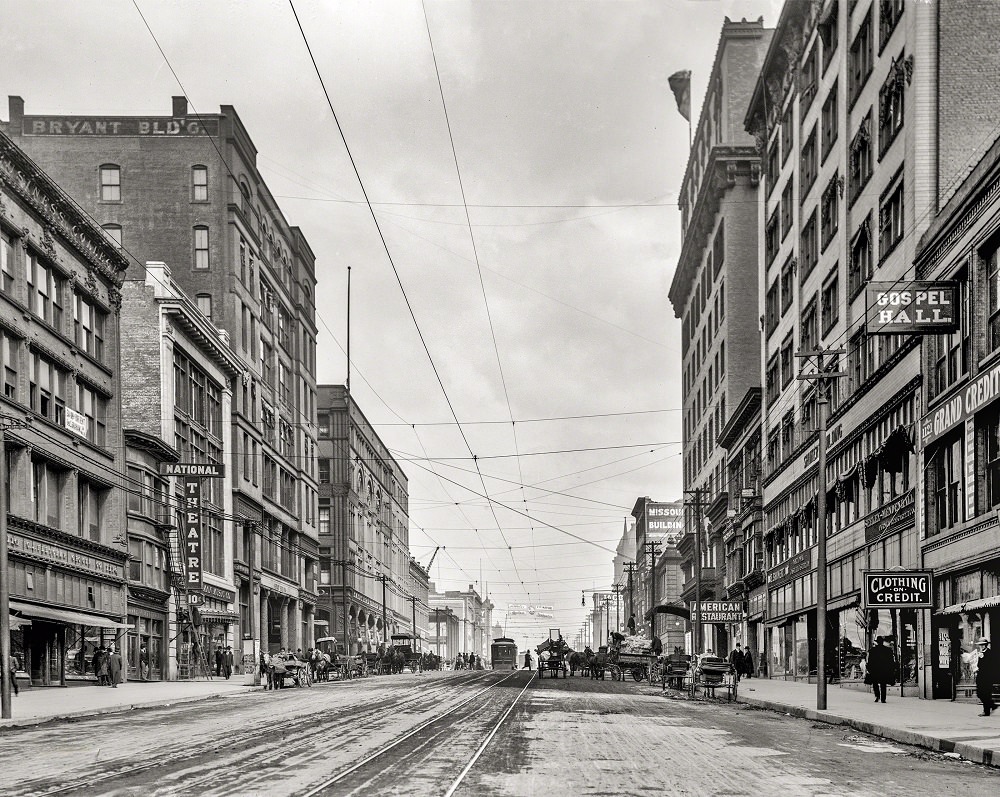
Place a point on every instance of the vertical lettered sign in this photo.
(192, 533)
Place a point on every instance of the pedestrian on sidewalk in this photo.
(13, 669)
(987, 675)
(881, 668)
(100, 664)
(219, 657)
(143, 663)
(747, 662)
(736, 661)
(527, 659)
(227, 662)
(631, 624)
(114, 667)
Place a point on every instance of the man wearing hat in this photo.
(987, 675)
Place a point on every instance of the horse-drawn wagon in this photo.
(713, 673)
(632, 655)
(409, 648)
(552, 655)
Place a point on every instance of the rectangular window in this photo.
(993, 309)
(787, 210)
(861, 157)
(772, 237)
(772, 304)
(89, 506)
(111, 184)
(891, 221)
(787, 284)
(773, 379)
(9, 347)
(199, 183)
(787, 127)
(787, 363)
(946, 482)
(46, 493)
(829, 121)
(47, 389)
(830, 211)
(808, 329)
(808, 77)
(860, 59)
(204, 302)
(831, 301)
(808, 248)
(808, 165)
(45, 292)
(95, 407)
(889, 12)
(88, 326)
(992, 452)
(890, 105)
(6, 263)
(773, 165)
(201, 247)
(324, 471)
(718, 248)
(954, 349)
(828, 33)
(860, 265)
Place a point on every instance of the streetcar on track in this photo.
(503, 654)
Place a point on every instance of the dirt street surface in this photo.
(418, 735)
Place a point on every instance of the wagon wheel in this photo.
(638, 673)
(616, 672)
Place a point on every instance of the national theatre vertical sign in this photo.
(193, 476)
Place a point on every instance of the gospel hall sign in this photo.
(914, 307)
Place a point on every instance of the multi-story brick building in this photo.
(180, 362)
(658, 576)
(959, 435)
(60, 280)
(865, 116)
(364, 528)
(185, 189)
(716, 271)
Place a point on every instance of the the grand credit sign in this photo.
(917, 307)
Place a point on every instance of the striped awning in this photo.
(970, 606)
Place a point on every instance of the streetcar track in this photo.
(344, 773)
(211, 748)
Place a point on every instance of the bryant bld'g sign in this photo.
(912, 308)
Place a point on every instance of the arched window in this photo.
(199, 183)
(245, 191)
(111, 183)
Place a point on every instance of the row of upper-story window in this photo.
(291, 439)
(703, 287)
(700, 351)
(709, 133)
(704, 395)
(703, 451)
(272, 247)
(28, 277)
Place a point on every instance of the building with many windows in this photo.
(181, 363)
(475, 617)
(868, 115)
(60, 280)
(716, 271)
(365, 570)
(185, 189)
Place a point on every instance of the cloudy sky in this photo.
(553, 303)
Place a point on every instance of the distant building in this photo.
(60, 296)
(656, 586)
(474, 614)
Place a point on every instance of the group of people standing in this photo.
(107, 664)
(469, 661)
(742, 660)
(223, 661)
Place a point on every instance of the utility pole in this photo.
(651, 548)
(385, 627)
(413, 607)
(630, 569)
(5, 671)
(698, 503)
(618, 604)
(823, 379)
(254, 611)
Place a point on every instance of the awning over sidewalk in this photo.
(970, 606)
(19, 622)
(65, 615)
(669, 608)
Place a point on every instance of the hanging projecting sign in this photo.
(898, 589)
(913, 308)
(207, 470)
(665, 521)
(191, 529)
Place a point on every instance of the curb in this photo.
(967, 750)
(28, 722)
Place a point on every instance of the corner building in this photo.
(60, 295)
(716, 273)
(184, 189)
(867, 115)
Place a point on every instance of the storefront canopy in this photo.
(970, 606)
(669, 608)
(65, 615)
(18, 622)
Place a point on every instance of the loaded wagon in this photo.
(409, 646)
(552, 655)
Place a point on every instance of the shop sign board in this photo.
(917, 307)
(719, 612)
(895, 515)
(984, 389)
(75, 421)
(665, 521)
(191, 529)
(800, 563)
(897, 589)
(206, 470)
(56, 554)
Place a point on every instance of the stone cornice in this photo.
(59, 212)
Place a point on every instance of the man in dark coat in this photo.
(114, 667)
(100, 665)
(631, 624)
(227, 662)
(987, 675)
(736, 660)
(747, 662)
(219, 659)
(527, 659)
(881, 668)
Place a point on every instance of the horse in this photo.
(580, 661)
(598, 662)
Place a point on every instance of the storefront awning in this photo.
(19, 622)
(970, 606)
(220, 617)
(65, 615)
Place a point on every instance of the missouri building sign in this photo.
(898, 589)
(914, 308)
(665, 521)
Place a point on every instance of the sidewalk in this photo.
(935, 724)
(41, 704)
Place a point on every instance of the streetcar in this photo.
(503, 653)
